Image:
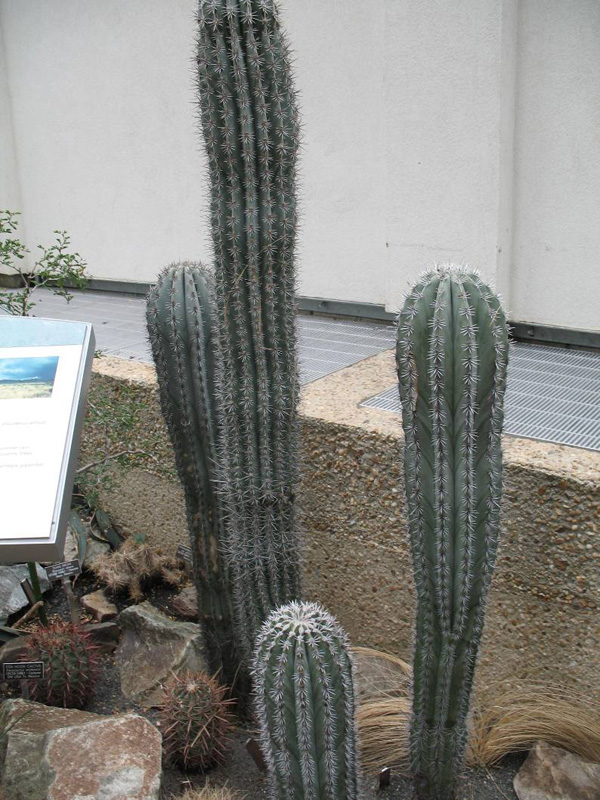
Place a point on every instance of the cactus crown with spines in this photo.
(181, 321)
(304, 698)
(250, 127)
(451, 356)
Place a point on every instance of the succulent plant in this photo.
(250, 126)
(70, 661)
(134, 565)
(304, 693)
(180, 319)
(452, 353)
(195, 721)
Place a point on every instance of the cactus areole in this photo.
(304, 691)
(451, 356)
(250, 129)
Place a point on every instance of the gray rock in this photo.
(93, 549)
(551, 773)
(185, 604)
(99, 606)
(153, 647)
(12, 597)
(64, 754)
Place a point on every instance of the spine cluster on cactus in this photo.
(180, 321)
(195, 721)
(304, 693)
(452, 352)
(70, 665)
(250, 126)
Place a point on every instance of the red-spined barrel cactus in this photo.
(70, 661)
(452, 354)
(195, 721)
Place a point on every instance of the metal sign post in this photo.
(45, 371)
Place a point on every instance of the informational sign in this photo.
(45, 370)
(184, 553)
(23, 670)
(66, 569)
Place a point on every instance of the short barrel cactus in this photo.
(195, 721)
(452, 356)
(70, 661)
(305, 703)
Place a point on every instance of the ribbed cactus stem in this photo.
(249, 121)
(180, 318)
(452, 353)
(304, 697)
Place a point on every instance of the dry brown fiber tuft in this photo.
(509, 723)
(210, 792)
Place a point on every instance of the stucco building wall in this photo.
(464, 131)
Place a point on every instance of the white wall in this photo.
(434, 131)
(444, 99)
(557, 152)
(103, 114)
(10, 194)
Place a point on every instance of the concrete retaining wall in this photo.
(543, 621)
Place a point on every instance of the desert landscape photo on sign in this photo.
(27, 378)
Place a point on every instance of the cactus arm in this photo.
(180, 318)
(451, 357)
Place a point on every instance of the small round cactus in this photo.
(195, 721)
(70, 665)
(305, 705)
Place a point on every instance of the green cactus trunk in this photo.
(304, 698)
(180, 318)
(451, 356)
(249, 121)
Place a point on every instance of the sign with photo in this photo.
(45, 369)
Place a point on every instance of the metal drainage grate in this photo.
(553, 395)
(324, 346)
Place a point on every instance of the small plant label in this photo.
(184, 553)
(253, 748)
(65, 569)
(23, 671)
(385, 777)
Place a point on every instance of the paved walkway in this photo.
(553, 393)
(119, 322)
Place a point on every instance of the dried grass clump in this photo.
(128, 568)
(383, 714)
(210, 792)
(500, 725)
(518, 718)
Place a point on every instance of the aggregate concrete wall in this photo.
(543, 622)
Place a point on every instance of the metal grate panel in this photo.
(552, 395)
(324, 345)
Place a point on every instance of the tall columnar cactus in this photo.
(181, 328)
(451, 356)
(304, 698)
(250, 127)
